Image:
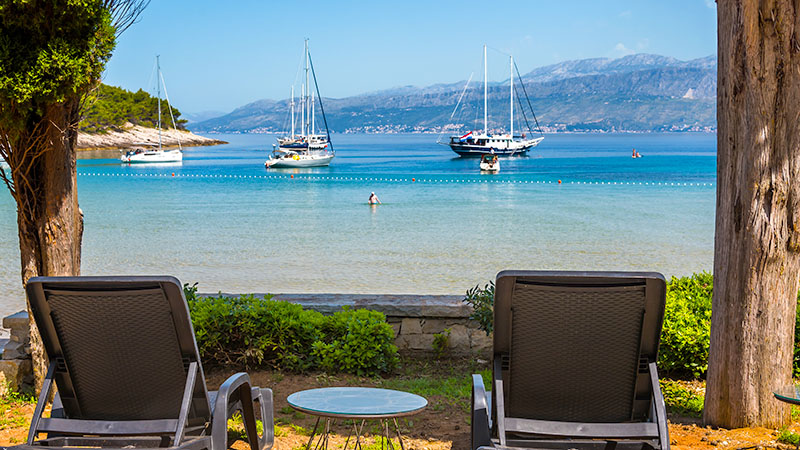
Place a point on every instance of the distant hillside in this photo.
(634, 93)
(111, 108)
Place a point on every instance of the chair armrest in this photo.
(480, 428)
(235, 393)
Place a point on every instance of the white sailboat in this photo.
(150, 153)
(477, 143)
(308, 148)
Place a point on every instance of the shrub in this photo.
(356, 341)
(253, 332)
(687, 324)
(482, 302)
(441, 343)
(260, 332)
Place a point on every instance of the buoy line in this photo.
(558, 182)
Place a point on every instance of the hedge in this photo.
(253, 332)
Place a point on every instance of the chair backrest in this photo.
(575, 346)
(121, 346)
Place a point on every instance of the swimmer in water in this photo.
(373, 199)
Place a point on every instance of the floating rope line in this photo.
(392, 180)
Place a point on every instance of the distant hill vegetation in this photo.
(635, 93)
(110, 108)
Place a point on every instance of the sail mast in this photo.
(302, 110)
(158, 94)
(511, 82)
(308, 91)
(292, 111)
(312, 112)
(485, 94)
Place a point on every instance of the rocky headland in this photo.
(131, 135)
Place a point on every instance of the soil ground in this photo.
(443, 425)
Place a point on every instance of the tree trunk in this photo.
(50, 222)
(756, 264)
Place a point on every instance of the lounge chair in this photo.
(574, 363)
(124, 359)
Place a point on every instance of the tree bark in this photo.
(49, 219)
(756, 263)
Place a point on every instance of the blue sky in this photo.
(219, 55)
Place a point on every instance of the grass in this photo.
(12, 415)
(681, 399)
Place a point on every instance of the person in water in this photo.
(373, 199)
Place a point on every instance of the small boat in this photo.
(308, 148)
(287, 159)
(482, 142)
(140, 153)
(145, 152)
(489, 163)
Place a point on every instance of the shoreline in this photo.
(135, 134)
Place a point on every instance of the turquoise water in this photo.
(226, 222)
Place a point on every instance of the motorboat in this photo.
(489, 163)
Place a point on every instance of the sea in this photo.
(220, 219)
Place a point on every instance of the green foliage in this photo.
(258, 332)
(111, 107)
(356, 341)
(687, 325)
(680, 399)
(787, 436)
(51, 52)
(441, 343)
(482, 302)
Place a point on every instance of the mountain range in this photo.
(640, 92)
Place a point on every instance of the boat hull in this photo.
(290, 163)
(166, 156)
(469, 150)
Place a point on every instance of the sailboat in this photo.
(477, 143)
(308, 148)
(150, 153)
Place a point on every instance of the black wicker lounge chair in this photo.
(124, 358)
(574, 363)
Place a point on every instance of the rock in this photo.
(18, 320)
(411, 326)
(14, 350)
(13, 374)
(419, 341)
(432, 326)
(459, 338)
(137, 134)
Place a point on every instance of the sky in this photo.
(220, 55)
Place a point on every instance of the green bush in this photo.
(687, 324)
(356, 341)
(482, 302)
(260, 332)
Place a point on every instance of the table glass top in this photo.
(789, 394)
(357, 401)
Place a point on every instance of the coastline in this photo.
(135, 134)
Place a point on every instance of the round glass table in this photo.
(788, 394)
(358, 404)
